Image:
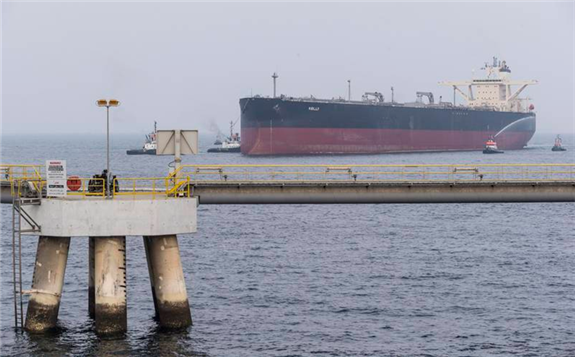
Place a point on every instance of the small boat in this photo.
(150, 144)
(231, 144)
(491, 147)
(558, 144)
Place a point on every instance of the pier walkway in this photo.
(322, 184)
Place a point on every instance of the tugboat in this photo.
(231, 144)
(150, 144)
(558, 144)
(491, 147)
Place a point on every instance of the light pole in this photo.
(107, 103)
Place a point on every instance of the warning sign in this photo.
(56, 178)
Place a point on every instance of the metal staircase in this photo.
(21, 199)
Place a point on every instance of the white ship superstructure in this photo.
(495, 91)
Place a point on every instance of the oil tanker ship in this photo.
(302, 126)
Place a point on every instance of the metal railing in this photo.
(9, 173)
(370, 173)
(155, 186)
(88, 187)
(85, 187)
(180, 183)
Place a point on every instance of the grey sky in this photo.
(186, 64)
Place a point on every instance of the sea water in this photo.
(325, 280)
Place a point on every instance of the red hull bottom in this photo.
(307, 141)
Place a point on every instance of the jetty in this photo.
(107, 209)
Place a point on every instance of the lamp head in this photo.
(113, 102)
(102, 103)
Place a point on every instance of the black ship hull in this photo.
(141, 152)
(212, 150)
(492, 151)
(280, 126)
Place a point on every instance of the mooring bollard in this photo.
(47, 283)
(110, 310)
(167, 280)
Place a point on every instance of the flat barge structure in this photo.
(303, 126)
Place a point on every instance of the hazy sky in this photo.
(187, 64)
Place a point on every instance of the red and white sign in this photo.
(56, 178)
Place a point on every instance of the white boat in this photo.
(150, 144)
(231, 144)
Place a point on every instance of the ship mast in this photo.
(275, 76)
(232, 124)
(349, 89)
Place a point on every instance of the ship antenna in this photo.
(349, 89)
(392, 100)
(275, 76)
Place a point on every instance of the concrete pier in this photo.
(110, 309)
(167, 280)
(47, 283)
(107, 222)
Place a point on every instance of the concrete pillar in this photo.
(151, 274)
(91, 292)
(110, 309)
(47, 283)
(168, 283)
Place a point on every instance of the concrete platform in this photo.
(121, 216)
